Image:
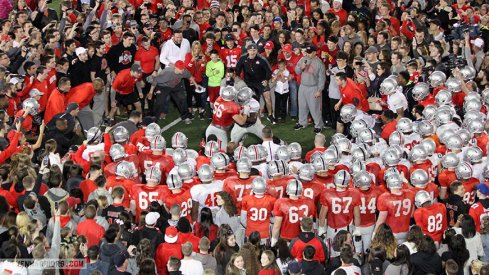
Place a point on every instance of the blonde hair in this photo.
(23, 223)
(102, 202)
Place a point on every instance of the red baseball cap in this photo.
(179, 65)
(287, 48)
(269, 45)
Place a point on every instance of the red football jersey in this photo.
(127, 184)
(143, 195)
(222, 176)
(223, 112)
(277, 188)
(432, 220)
(368, 206)
(230, 56)
(147, 159)
(238, 188)
(327, 181)
(292, 211)
(184, 199)
(259, 211)
(469, 195)
(446, 177)
(312, 190)
(374, 169)
(431, 188)
(340, 206)
(478, 212)
(399, 209)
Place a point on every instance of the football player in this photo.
(278, 171)
(204, 195)
(178, 196)
(240, 186)
(143, 194)
(430, 216)
(156, 156)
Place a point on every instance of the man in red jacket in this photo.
(124, 84)
(171, 247)
(89, 227)
(308, 237)
(56, 101)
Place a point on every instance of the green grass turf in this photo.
(196, 131)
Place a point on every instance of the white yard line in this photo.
(171, 124)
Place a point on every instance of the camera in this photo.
(230, 81)
(454, 61)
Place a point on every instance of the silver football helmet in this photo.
(257, 152)
(388, 86)
(240, 152)
(473, 155)
(472, 105)
(294, 188)
(419, 178)
(396, 138)
(405, 125)
(420, 91)
(454, 142)
(259, 185)
(153, 173)
(426, 128)
(220, 161)
(186, 171)
(443, 97)
(468, 73)
(421, 198)
(227, 93)
(366, 136)
(464, 134)
(331, 156)
(391, 157)
(295, 151)
(320, 164)
(357, 166)
(205, 173)
(362, 180)
(348, 113)
(437, 78)
(117, 152)
(244, 95)
(443, 116)
(418, 153)
(464, 171)
(120, 134)
(394, 180)
(429, 112)
(157, 143)
(473, 96)
(342, 178)
(33, 104)
(453, 84)
(315, 155)
(360, 154)
(94, 135)
(152, 130)
(179, 140)
(344, 145)
(485, 171)
(283, 153)
(429, 145)
(450, 160)
(277, 168)
(124, 169)
(476, 127)
(336, 137)
(173, 181)
(357, 126)
(243, 165)
(307, 172)
(211, 147)
(179, 156)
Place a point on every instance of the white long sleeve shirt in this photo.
(171, 53)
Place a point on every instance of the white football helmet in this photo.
(360, 154)
(117, 152)
(454, 142)
(429, 145)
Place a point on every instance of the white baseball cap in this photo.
(151, 218)
(478, 42)
(80, 50)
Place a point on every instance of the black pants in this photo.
(334, 114)
(281, 101)
(192, 94)
(162, 99)
(326, 112)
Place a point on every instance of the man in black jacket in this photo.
(310, 266)
(80, 68)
